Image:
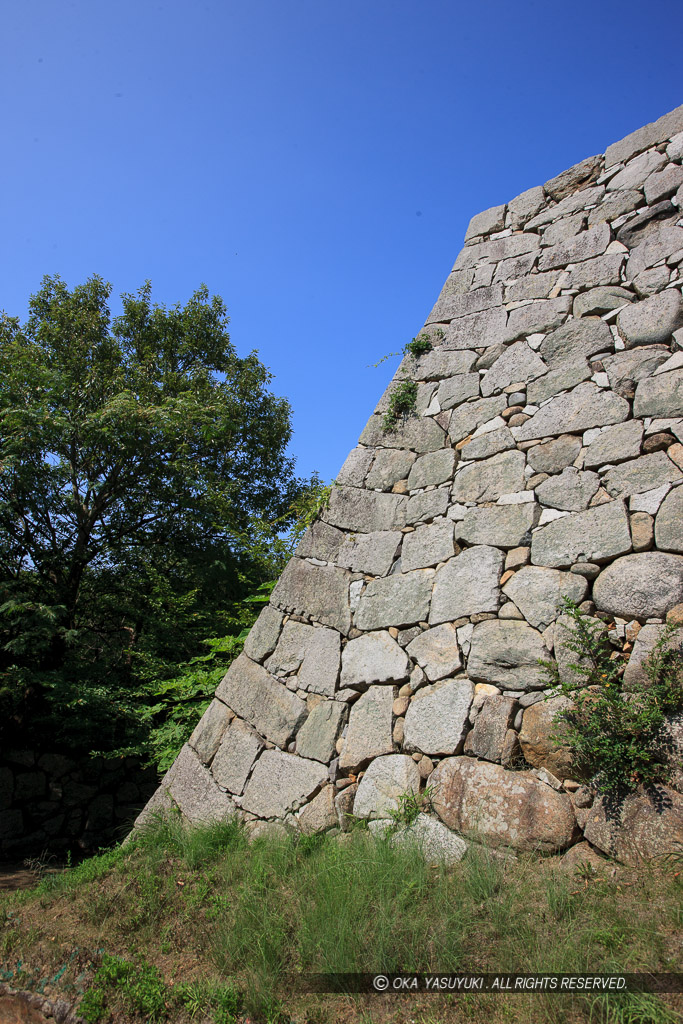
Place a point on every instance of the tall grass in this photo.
(262, 912)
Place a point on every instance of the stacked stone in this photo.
(51, 801)
(403, 643)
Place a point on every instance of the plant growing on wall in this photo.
(403, 398)
(617, 734)
(401, 403)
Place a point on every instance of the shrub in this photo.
(617, 734)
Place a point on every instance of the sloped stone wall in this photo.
(401, 646)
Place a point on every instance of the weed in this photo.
(419, 346)
(558, 896)
(416, 347)
(403, 397)
(410, 806)
(140, 986)
(585, 871)
(483, 873)
(88, 871)
(401, 403)
(198, 997)
(170, 836)
(93, 1005)
(41, 865)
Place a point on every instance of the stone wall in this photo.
(401, 646)
(51, 803)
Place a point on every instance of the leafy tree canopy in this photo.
(138, 456)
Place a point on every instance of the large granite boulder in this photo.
(208, 732)
(427, 546)
(280, 783)
(436, 652)
(538, 592)
(640, 586)
(317, 737)
(320, 814)
(291, 648)
(264, 634)
(584, 407)
(352, 508)
(239, 748)
(553, 456)
(436, 843)
(373, 553)
(386, 780)
(504, 808)
(649, 637)
(507, 652)
(488, 479)
(400, 600)
(490, 737)
(373, 658)
(192, 788)
(653, 320)
(504, 526)
(596, 535)
(369, 732)
(467, 585)
(571, 491)
(318, 591)
(253, 694)
(437, 717)
(660, 396)
(669, 522)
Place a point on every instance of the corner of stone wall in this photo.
(543, 459)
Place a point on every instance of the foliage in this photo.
(141, 989)
(616, 733)
(404, 395)
(141, 984)
(307, 507)
(136, 455)
(196, 846)
(401, 403)
(173, 706)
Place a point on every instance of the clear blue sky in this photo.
(315, 163)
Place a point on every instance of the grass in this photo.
(200, 925)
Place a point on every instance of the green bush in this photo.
(616, 733)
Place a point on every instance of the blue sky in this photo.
(314, 163)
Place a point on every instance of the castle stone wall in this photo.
(544, 459)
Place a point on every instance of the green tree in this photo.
(136, 453)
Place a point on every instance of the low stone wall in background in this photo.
(51, 803)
